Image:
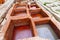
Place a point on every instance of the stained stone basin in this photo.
(22, 32)
(45, 31)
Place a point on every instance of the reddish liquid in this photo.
(37, 15)
(22, 32)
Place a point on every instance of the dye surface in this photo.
(21, 14)
(34, 6)
(21, 7)
(45, 31)
(37, 15)
(22, 32)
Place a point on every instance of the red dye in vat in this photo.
(22, 32)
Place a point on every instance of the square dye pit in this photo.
(22, 32)
(45, 31)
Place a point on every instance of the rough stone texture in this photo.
(4, 8)
(1, 36)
